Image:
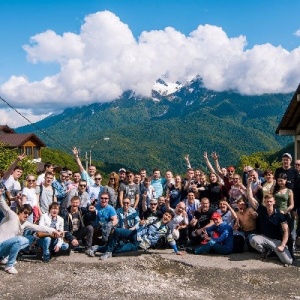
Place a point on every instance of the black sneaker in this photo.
(267, 254)
(190, 250)
(46, 258)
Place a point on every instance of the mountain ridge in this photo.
(158, 131)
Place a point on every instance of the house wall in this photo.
(31, 149)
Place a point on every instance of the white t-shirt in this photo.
(13, 186)
(31, 196)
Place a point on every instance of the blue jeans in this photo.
(212, 245)
(47, 242)
(122, 240)
(12, 246)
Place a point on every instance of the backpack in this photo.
(238, 242)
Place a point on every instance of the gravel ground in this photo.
(158, 274)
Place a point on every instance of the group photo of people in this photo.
(217, 210)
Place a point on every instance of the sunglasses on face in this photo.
(82, 185)
(98, 178)
(104, 198)
(111, 179)
(31, 180)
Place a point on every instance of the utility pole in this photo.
(86, 161)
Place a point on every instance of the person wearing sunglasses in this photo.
(81, 193)
(106, 216)
(97, 188)
(11, 234)
(128, 217)
(29, 196)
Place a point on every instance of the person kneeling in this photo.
(50, 242)
(218, 238)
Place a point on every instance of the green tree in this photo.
(7, 157)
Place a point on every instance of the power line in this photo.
(34, 125)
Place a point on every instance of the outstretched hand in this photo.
(22, 156)
(75, 151)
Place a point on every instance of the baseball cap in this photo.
(287, 155)
(216, 215)
(122, 170)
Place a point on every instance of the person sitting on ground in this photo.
(106, 218)
(179, 222)
(201, 219)
(218, 237)
(246, 218)
(49, 242)
(152, 211)
(11, 234)
(161, 204)
(227, 212)
(246, 223)
(148, 235)
(274, 231)
(78, 224)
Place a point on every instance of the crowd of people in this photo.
(217, 211)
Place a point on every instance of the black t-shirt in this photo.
(291, 173)
(215, 193)
(270, 226)
(203, 217)
(148, 213)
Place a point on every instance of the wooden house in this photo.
(290, 122)
(24, 142)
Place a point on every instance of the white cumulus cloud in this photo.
(297, 33)
(104, 59)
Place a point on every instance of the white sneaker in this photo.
(106, 255)
(4, 261)
(11, 270)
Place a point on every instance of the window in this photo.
(28, 151)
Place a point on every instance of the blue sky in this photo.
(240, 38)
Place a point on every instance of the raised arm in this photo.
(10, 169)
(187, 161)
(78, 161)
(253, 202)
(217, 165)
(208, 164)
(233, 213)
